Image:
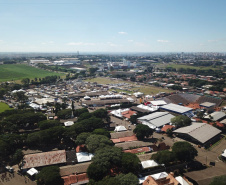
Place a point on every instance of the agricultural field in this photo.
(13, 72)
(4, 107)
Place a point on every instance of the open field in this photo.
(4, 107)
(146, 89)
(151, 90)
(177, 66)
(11, 72)
(104, 80)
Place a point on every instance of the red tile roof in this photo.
(124, 139)
(44, 159)
(72, 179)
(166, 127)
(138, 150)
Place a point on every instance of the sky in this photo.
(112, 26)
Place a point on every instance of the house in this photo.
(163, 178)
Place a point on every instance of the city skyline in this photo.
(112, 26)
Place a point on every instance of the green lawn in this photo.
(9, 72)
(4, 107)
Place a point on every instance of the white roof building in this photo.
(120, 129)
(149, 164)
(68, 123)
(32, 171)
(84, 157)
(158, 102)
(181, 180)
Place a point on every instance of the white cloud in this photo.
(163, 41)
(213, 40)
(111, 44)
(122, 33)
(80, 44)
(48, 42)
(130, 40)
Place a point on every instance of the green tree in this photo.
(127, 179)
(181, 121)
(49, 176)
(184, 151)
(101, 113)
(85, 115)
(95, 142)
(130, 163)
(45, 124)
(164, 157)
(143, 131)
(81, 138)
(220, 180)
(109, 181)
(96, 171)
(103, 161)
(64, 114)
(169, 132)
(102, 131)
(17, 157)
(25, 81)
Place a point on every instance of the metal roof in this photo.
(207, 104)
(217, 115)
(176, 108)
(158, 102)
(199, 131)
(152, 116)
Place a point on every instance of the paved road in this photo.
(204, 177)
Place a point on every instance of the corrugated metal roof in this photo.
(217, 115)
(160, 121)
(199, 131)
(44, 159)
(153, 116)
(176, 108)
(207, 104)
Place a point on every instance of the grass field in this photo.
(10, 72)
(103, 80)
(177, 66)
(146, 89)
(4, 107)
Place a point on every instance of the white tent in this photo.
(32, 171)
(130, 99)
(87, 98)
(84, 156)
(149, 164)
(68, 123)
(120, 129)
(224, 153)
(181, 180)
